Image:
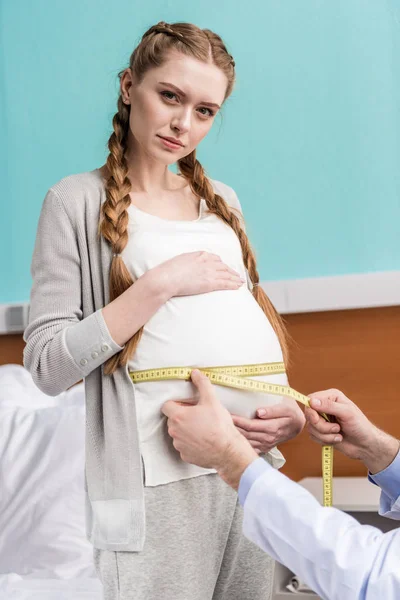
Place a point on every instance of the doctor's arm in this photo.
(329, 550)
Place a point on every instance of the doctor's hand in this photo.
(275, 424)
(205, 435)
(350, 432)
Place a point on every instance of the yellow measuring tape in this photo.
(238, 377)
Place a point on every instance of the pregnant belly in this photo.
(215, 329)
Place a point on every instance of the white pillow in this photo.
(42, 463)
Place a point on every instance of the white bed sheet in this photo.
(44, 553)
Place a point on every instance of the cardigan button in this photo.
(95, 354)
(83, 362)
(105, 347)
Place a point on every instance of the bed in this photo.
(44, 552)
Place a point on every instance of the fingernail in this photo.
(195, 371)
(315, 402)
(261, 412)
(337, 438)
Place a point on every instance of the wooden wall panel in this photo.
(356, 351)
(11, 347)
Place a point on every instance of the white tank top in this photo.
(224, 327)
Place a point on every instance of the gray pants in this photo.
(194, 549)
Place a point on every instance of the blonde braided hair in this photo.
(207, 46)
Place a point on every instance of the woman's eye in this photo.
(210, 112)
(167, 95)
(170, 93)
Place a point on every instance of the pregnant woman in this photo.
(134, 268)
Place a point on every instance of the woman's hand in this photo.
(196, 273)
(277, 424)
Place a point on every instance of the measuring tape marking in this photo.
(237, 376)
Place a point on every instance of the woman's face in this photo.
(173, 100)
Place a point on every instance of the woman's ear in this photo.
(126, 84)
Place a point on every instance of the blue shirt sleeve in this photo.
(389, 479)
(389, 482)
(253, 471)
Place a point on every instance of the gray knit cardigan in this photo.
(67, 340)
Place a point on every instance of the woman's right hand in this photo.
(197, 273)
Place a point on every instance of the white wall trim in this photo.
(339, 292)
(315, 294)
(13, 317)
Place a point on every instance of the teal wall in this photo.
(310, 138)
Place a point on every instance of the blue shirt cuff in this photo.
(253, 472)
(389, 479)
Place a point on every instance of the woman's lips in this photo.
(170, 144)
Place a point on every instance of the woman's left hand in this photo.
(279, 423)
